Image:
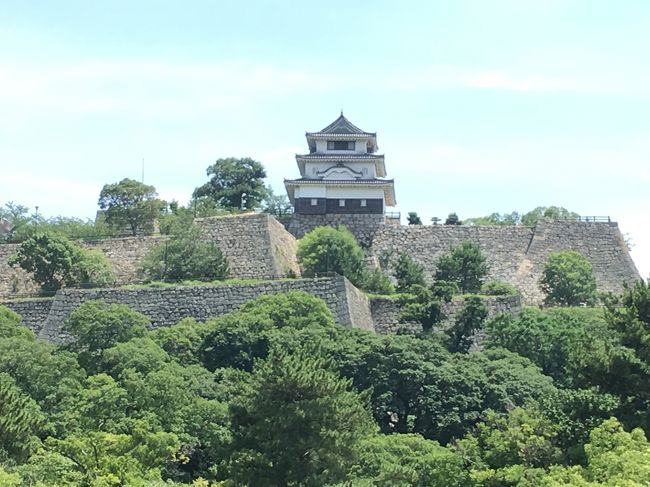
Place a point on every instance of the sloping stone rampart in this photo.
(515, 254)
(166, 306)
(255, 245)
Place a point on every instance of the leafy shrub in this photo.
(498, 288)
(465, 265)
(327, 249)
(408, 273)
(568, 279)
(185, 256)
(377, 282)
(56, 262)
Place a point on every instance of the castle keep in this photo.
(342, 182)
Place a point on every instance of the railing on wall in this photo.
(393, 215)
(594, 219)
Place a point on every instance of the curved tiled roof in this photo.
(342, 126)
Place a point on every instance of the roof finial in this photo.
(341, 112)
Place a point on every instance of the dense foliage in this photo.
(277, 394)
(22, 224)
(568, 279)
(465, 265)
(130, 205)
(327, 249)
(55, 261)
(186, 255)
(235, 183)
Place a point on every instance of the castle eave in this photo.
(377, 159)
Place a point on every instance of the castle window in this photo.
(340, 145)
(341, 202)
(314, 202)
(363, 203)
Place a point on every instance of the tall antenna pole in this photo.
(143, 170)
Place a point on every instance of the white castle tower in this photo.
(342, 175)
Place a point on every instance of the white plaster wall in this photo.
(310, 192)
(312, 167)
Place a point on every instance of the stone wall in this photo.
(255, 245)
(386, 312)
(13, 280)
(124, 253)
(364, 227)
(515, 254)
(358, 305)
(33, 311)
(166, 306)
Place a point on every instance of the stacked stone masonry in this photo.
(258, 246)
(167, 306)
(125, 255)
(386, 312)
(363, 227)
(515, 254)
(255, 245)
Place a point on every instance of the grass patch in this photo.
(187, 283)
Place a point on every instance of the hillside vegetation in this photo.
(277, 394)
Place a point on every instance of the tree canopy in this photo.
(465, 265)
(130, 204)
(235, 183)
(568, 279)
(277, 394)
(54, 262)
(327, 249)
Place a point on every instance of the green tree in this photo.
(55, 262)
(327, 249)
(422, 306)
(93, 269)
(238, 339)
(19, 220)
(452, 219)
(186, 255)
(235, 183)
(498, 288)
(465, 265)
(408, 460)
(130, 204)
(495, 219)
(96, 326)
(277, 205)
(550, 212)
(408, 273)
(568, 280)
(614, 458)
(106, 459)
(51, 259)
(20, 420)
(377, 282)
(467, 322)
(296, 424)
(629, 314)
(413, 218)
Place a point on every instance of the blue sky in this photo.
(480, 106)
